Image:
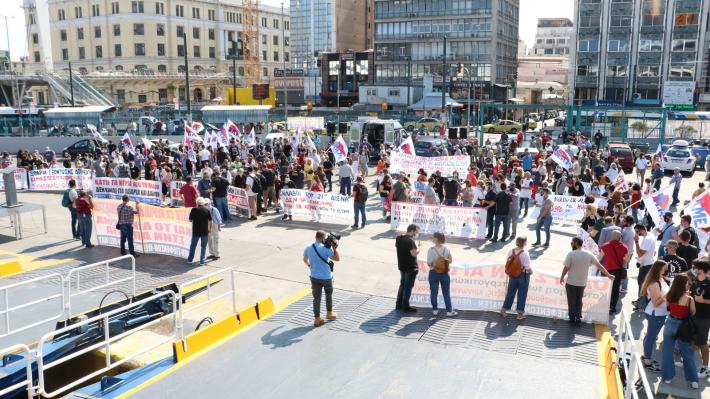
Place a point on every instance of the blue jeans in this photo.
(653, 328)
(544, 223)
(445, 280)
(382, 203)
(85, 229)
(450, 202)
(75, 232)
(643, 271)
(501, 219)
(467, 203)
(359, 210)
(519, 284)
(675, 195)
(346, 185)
(669, 343)
(525, 202)
(126, 234)
(203, 247)
(489, 223)
(223, 207)
(406, 283)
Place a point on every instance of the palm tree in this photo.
(640, 127)
(685, 131)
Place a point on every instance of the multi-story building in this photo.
(553, 37)
(133, 50)
(328, 26)
(343, 74)
(482, 35)
(627, 52)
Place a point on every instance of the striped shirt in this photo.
(125, 214)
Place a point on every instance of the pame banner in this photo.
(446, 165)
(20, 180)
(483, 287)
(567, 209)
(144, 191)
(58, 179)
(317, 205)
(156, 230)
(452, 221)
(238, 202)
(699, 209)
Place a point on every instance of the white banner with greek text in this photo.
(452, 221)
(446, 165)
(309, 204)
(58, 179)
(145, 191)
(20, 180)
(567, 208)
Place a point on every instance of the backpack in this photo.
(361, 193)
(441, 264)
(256, 187)
(513, 266)
(66, 201)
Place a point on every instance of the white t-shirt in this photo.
(250, 183)
(525, 188)
(647, 244)
(204, 155)
(641, 164)
(524, 258)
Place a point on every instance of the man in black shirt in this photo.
(701, 293)
(502, 201)
(489, 202)
(201, 228)
(328, 170)
(685, 250)
(269, 186)
(452, 187)
(676, 264)
(219, 187)
(407, 263)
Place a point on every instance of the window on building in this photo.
(36, 56)
(287, 25)
(120, 93)
(276, 56)
(682, 70)
(276, 40)
(263, 22)
(614, 45)
(240, 71)
(65, 54)
(590, 45)
(139, 49)
(82, 53)
(211, 15)
(99, 52)
(61, 15)
(649, 71)
(95, 12)
(286, 57)
(211, 52)
(393, 93)
(117, 50)
(263, 55)
(266, 71)
(264, 40)
(117, 30)
(35, 38)
(686, 18)
(77, 12)
(97, 32)
(648, 45)
(653, 13)
(195, 33)
(179, 11)
(160, 30)
(161, 49)
(648, 94)
(162, 68)
(137, 7)
(210, 34)
(80, 33)
(160, 8)
(162, 93)
(196, 51)
(616, 70)
(589, 21)
(138, 29)
(276, 23)
(371, 92)
(63, 35)
(180, 50)
(620, 20)
(180, 31)
(195, 13)
(286, 41)
(118, 67)
(33, 20)
(114, 8)
(142, 98)
(684, 45)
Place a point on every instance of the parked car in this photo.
(84, 146)
(679, 156)
(430, 146)
(501, 126)
(623, 155)
(430, 124)
(699, 151)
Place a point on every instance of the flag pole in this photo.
(140, 227)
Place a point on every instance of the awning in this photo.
(516, 100)
(432, 101)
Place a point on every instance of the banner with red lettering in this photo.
(483, 287)
(238, 202)
(446, 165)
(20, 180)
(58, 179)
(156, 230)
(145, 191)
(452, 221)
(310, 204)
(175, 187)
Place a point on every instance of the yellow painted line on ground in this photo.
(29, 263)
(609, 379)
(291, 299)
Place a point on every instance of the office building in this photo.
(330, 26)
(553, 37)
(133, 50)
(344, 73)
(482, 35)
(629, 53)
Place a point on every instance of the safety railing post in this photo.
(7, 311)
(234, 291)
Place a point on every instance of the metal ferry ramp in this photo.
(371, 351)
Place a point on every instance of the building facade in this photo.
(481, 35)
(328, 26)
(628, 52)
(133, 50)
(553, 37)
(342, 76)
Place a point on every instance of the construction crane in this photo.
(252, 69)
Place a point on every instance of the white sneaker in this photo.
(694, 385)
(452, 313)
(435, 312)
(704, 372)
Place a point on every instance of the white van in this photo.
(378, 131)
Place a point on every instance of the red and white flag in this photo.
(340, 149)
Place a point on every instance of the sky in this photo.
(530, 11)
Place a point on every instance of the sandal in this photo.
(521, 316)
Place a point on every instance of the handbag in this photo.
(118, 226)
(687, 330)
(441, 264)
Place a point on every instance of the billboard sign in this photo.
(678, 93)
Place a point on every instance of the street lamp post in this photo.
(187, 79)
(443, 81)
(15, 89)
(409, 79)
(234, 72)
(283, 60)
(71, 85)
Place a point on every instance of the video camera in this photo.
(331, 241)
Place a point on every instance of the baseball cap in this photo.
(669, 214)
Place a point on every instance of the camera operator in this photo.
(319, 258)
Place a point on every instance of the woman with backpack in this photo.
(518, 269)
(655, 288)
(439, 259)
(681, 308)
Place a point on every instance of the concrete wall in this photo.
(13, 144)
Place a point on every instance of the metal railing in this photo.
(6, 310)
(14, 349)
(76, 272)
(104, 343)
(211, 297)
(631, 360)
